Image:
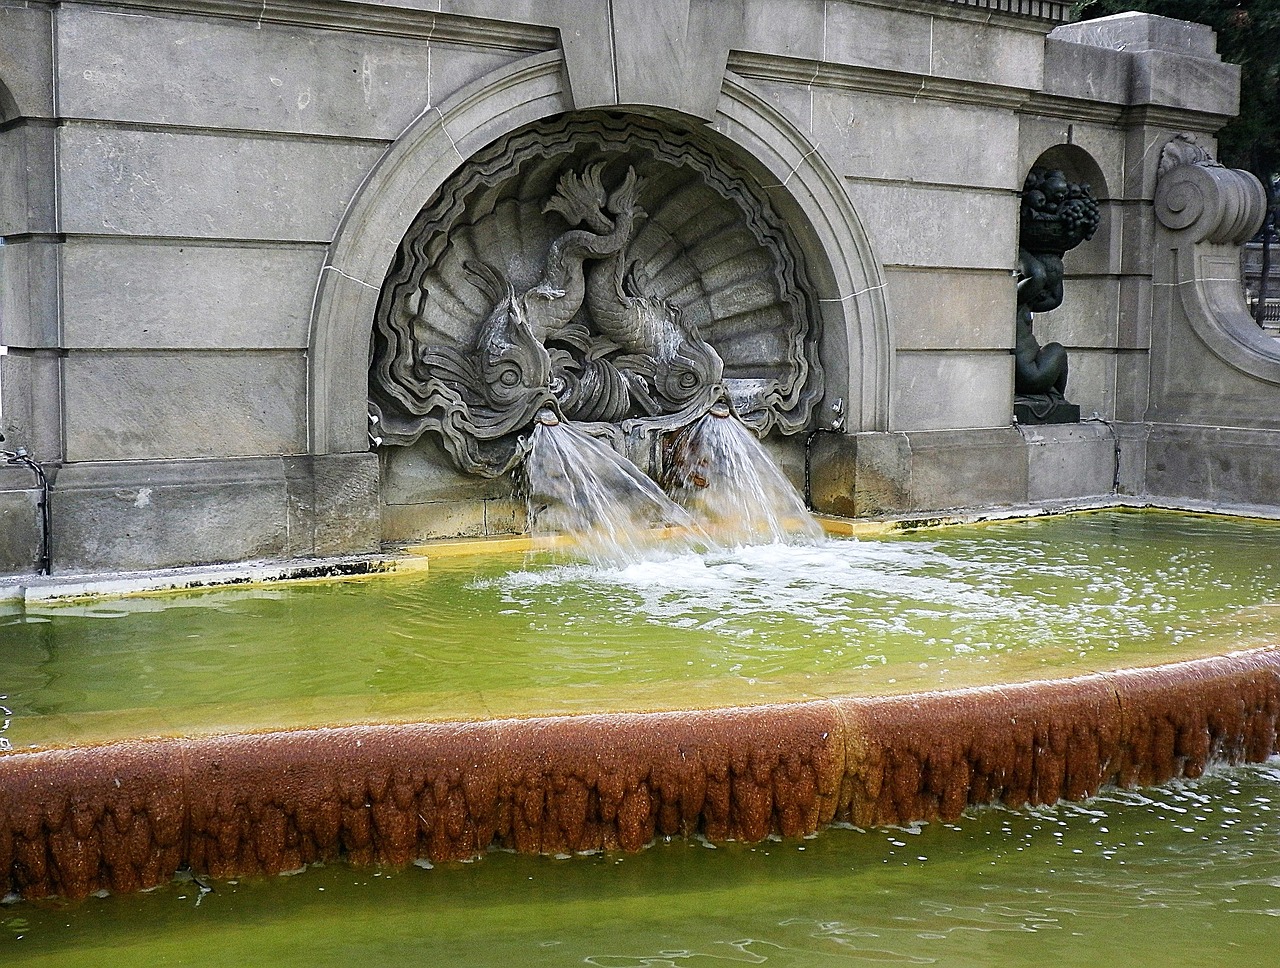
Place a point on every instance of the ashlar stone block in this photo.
(1091, 381)
(873, 474)
(149, 514)
(690, 39)
(1214, 464)
(1186, 83)
(855, 476)
(136, 406)
(936, 309)
(1133, 384)
(31, 401)
(1073, 69)
(913, 226)
(423, 473)
(26, 62)
(952, 390)
(20, 525)
(897, 138)
(256, 76)
(866, 36)
(1138, 32)
(972, 468)
(1069, 461)
(134, 295)
(1088, 316)
(981, 51)
(1134, 313)
(29, 293)
(407, 523)
(1174, 63)
(333, 504)
(27, 179)
(120, 181)
(159, 515)
(790, 29)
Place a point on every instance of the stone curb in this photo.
(126, 816)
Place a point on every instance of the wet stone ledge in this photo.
(127, 816)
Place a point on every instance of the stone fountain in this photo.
(431, 236)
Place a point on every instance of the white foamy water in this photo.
(826, 585)
(948, 596)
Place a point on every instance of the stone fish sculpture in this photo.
(1056, 216)
(670, 370)
(627, 356)
(484, 392)
(502, 381)
(604, 270)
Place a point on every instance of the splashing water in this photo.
(721, 473)
(580, 486)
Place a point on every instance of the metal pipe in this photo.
(20, 458)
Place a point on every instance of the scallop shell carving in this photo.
(703, 298)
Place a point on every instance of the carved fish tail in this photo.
(581, 199)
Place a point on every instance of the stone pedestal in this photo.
(1044, 410)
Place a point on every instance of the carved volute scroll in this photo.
(1214, 204)
(1209, 211)
(609, 269)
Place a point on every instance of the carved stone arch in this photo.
(844, 274)
(857, 349)
(423, 157)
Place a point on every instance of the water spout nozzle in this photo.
(720, 409)
(547, 417)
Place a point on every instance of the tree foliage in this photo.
(1248, 35)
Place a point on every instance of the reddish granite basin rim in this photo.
(126, 816)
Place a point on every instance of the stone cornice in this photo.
(1175, 119)
(847, 77)
(811, 73)
(1074, 109)
(352, 15)
(998, 12)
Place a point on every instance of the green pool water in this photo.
(1186, 876)
(519, 635)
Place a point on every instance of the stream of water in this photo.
(579, 486)
(722, 490)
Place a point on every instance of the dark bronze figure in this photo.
(1057, 215)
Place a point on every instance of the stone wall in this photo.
(200, 201)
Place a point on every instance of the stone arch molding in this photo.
(1210, 210)
(844, 275)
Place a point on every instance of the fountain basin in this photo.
(126, 816)
(788, 745)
